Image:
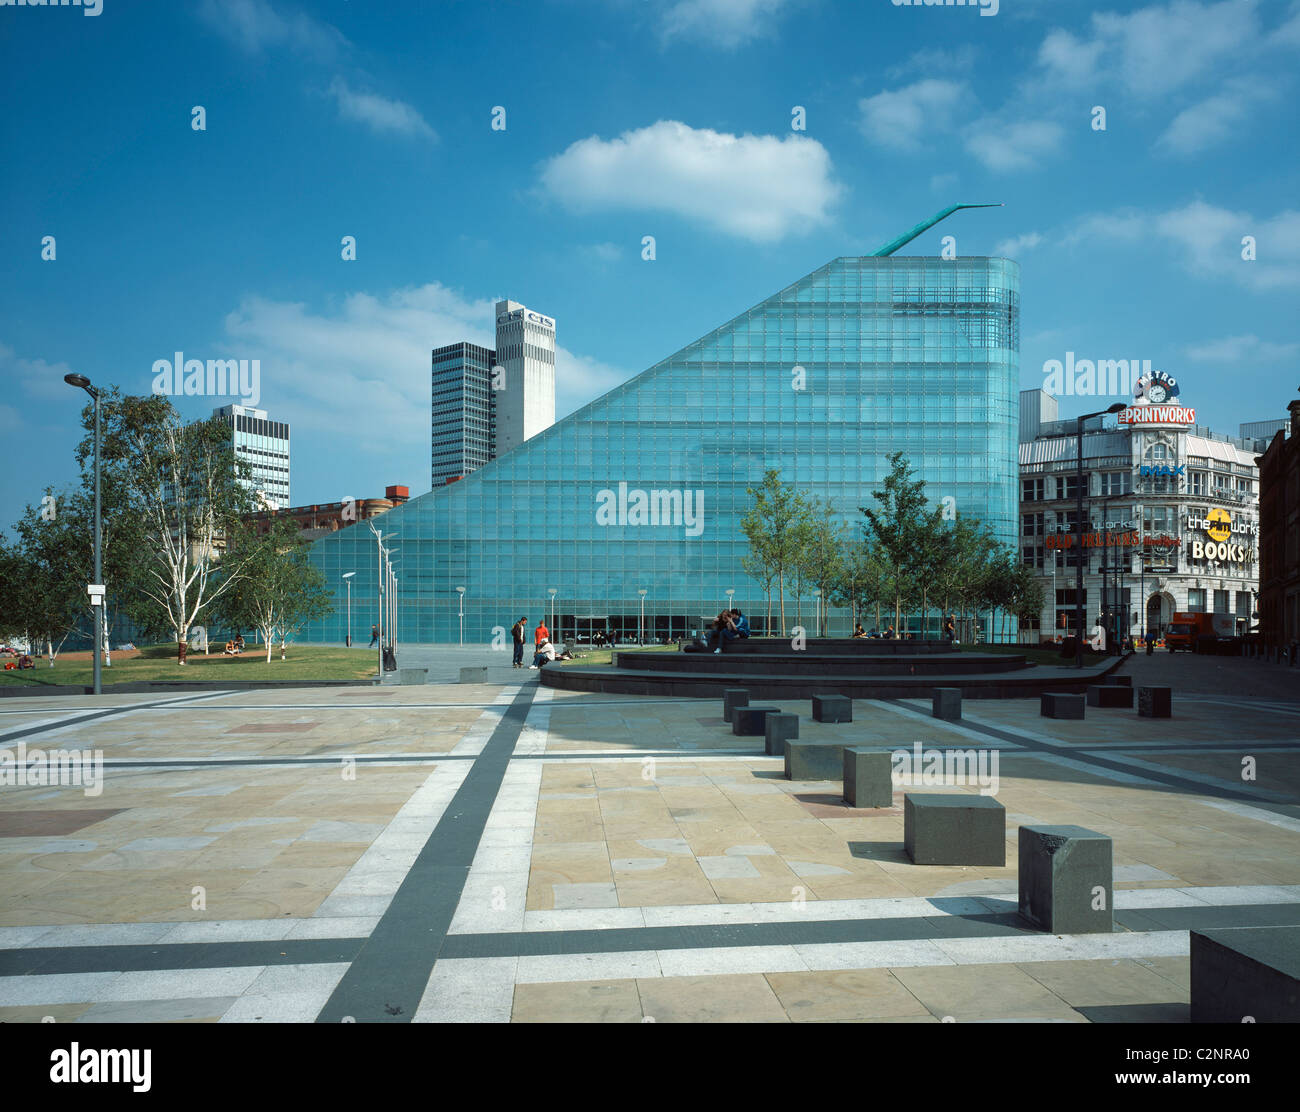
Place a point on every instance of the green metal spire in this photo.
(907, 237)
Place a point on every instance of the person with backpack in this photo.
(517, 633)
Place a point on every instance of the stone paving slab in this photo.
(617, 814)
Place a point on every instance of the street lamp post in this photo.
(817, 612)
(461, 592)
(347, 578)
(642, 592)
(97, 598)
(1078, 519)
(552, 591)
(1113, 565)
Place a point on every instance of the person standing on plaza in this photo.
(517, 633)
(541, 634)
(374, 636)
(950, 629)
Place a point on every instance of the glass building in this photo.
(463, 416)
(643, 490)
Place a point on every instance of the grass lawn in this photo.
(606, 656)
(158, 662)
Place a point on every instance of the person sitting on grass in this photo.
(546, 653)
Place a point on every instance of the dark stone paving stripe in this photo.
(994, 924)
(208, 955)
(107, 712)
(386, 981)
(41, 960)
(1089, 756)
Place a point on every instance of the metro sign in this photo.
(1156, 415)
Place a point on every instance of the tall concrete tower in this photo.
(525, 351)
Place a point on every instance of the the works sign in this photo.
(1156, 415)
(1219, 527)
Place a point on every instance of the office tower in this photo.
(464, 411)
(264, 445)
(525, 403)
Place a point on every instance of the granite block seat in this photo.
(1155, 702)
(473, 675)
(1066, 879)
(1056, 704)
(750, 721)
(778, 729)
(956, 829)
(1246, 971)
(832, 708)
(1110, 695)
(813, 760)
(731, 698)
(868, 777)
(946, 704)
(1122, 681)
(412, 675)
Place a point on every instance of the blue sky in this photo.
(622, 119)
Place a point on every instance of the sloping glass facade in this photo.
(644, 488)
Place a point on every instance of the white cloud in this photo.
(39, 379)
(1152, 50)
(1214, 119)
(255, 27)
(1010, 248)
(903, 119)
(1207, 241)
(759, 188)
(1071, 62)
(725, 23)
(601, 252)
(935, 61)
(1006, 147)
(367, 362)
(379, 113)
(1242, 349)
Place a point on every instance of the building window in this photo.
(1198, 483)
(1221, 603)
(1196, 600)
(1031, 490)
(1032, 525)
(1033, 557)
(1243, 604)
(1067, 486)
(1113, 482)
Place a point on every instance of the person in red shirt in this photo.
(541, 633)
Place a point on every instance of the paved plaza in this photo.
(509, 852)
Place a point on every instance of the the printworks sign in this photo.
(1152, 397)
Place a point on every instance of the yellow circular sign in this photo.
(1218, 525)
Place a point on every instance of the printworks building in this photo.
(1171, 515)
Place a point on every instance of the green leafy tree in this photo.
(897, 528)
(277, 589)
(772, 528)
(42, 591)
(823, 553)
(184, 483)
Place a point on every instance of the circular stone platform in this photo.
(865, 668)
